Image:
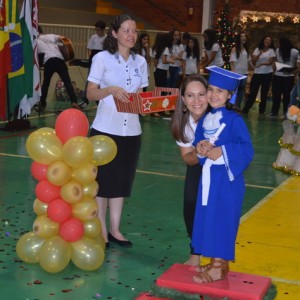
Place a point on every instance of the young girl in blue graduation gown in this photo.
(224, 148)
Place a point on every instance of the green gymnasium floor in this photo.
(152, 219)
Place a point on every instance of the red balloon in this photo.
(70, 123)
(59, 211)
(71, 230)
(39, 171)
(46, 192)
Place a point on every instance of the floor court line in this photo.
(147, 172)
(263, 201)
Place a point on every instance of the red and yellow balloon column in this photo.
(65, 165)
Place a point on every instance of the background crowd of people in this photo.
(173, 55)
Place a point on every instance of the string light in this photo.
(254, 18)
(244, 19)
(280, 19)
(269, 17)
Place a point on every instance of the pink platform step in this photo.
(236, 286)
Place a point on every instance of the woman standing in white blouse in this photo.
(145, 50)
(191, 58)
(283, 82)
(116, 72)
(240, 63)
(263, 58)
(95, 43)
(176, 52)
(213, 52)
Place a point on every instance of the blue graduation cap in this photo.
(225, 79)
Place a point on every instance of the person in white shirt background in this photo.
(161, 60)
(213, 52)
(240, 62)
(184, 39)
(176, 52)
(145, 50)
(283, 82)
(191, 58)
(95, 43)
(262, 58)
(53, 62)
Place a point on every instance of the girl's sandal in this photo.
(217, 270)
(203, 268)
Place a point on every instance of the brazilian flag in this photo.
(16, 78)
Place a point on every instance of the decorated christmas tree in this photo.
(225, 34)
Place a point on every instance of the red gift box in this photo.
(161, 99)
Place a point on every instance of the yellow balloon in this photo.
(48, 129)
(99, 239)
(85, 174)
(54, 255)
(45, 227)
(59, 173)
(39, 207)
(28, 247)
(91, 189)
(86, 209)
(92, 228)
(44, 147)
(71, 192)
(105, 149)
(87, 254)
(78, 151)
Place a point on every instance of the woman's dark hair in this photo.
(195, 52)
(181, 115)
(211, 38)
(238, 48)
(139, 41)
(186, 36)
(261, 43)
(156, 40)
(40, 30)
(162, 41)
(285, 47)
(100, 24)
(110, 43)
(231, 106)
(172, 33)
